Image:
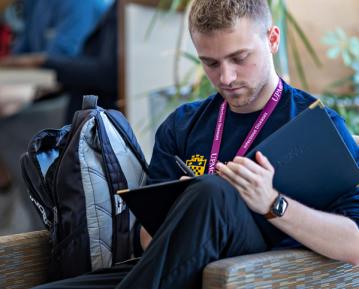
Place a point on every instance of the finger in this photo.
(264, 162)
(239, 188)
(232, 175)
(184, 178)
(243, 172)
(249, 164)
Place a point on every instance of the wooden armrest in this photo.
(297, 268)
(24, 259)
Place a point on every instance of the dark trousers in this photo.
(208, 222)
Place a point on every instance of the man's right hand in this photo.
(184, 178)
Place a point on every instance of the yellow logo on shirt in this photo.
(198, 164)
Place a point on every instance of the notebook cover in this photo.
(312, 163)
(151, 204)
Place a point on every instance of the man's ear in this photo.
(274, 39)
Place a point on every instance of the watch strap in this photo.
(270, 215)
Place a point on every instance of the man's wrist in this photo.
(277, 208)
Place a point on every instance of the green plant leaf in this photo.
(354, 46)
(333, 52)
(346, 58)
(163, 8)
(331, 39)
(175, 5)
(355, 65)
(356, 78)
(341, 34)
(303, 38)
(297, 62)
(341, 82)
(154, 18)
(191, 57)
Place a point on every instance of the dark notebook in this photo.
(150, 204)
(312, 165)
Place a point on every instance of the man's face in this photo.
(238, 61)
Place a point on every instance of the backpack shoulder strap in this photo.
(124, 128)
(89, 102)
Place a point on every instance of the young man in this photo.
(231, 214)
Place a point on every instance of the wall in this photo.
(149, 65)
(316, 18)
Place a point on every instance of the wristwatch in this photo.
(278, 208)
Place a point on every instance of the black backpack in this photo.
(72, 175)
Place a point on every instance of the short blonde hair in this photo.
(208, 15)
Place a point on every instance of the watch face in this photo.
(280, 206)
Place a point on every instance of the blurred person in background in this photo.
(52, 30)
(92, 71)
(57, 27)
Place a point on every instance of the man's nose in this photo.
(228, 74)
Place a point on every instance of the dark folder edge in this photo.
(151, 204)
(351, 168)
(252, 152)
(147, 187)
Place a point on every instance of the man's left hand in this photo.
(254, 181)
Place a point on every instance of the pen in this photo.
(184, 167)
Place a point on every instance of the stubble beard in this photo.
(253, 93)
(248, 96)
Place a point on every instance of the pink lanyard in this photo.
(256, 128)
